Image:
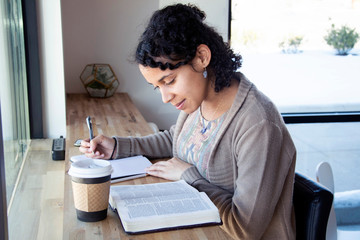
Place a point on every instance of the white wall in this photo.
(52, 68)
(107, 31)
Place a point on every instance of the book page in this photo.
(158, 199)
(163, 206)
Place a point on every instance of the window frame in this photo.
(32, 63)
(3, 204)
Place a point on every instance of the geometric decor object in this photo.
(99, 80)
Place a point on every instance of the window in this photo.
(309, 82)
(303, 78)
(14, 98)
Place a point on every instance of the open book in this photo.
(162, 206)
(124, 168)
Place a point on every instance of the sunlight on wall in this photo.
(52, 68)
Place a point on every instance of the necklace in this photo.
(205, 128)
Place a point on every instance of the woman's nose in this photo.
(166, 95)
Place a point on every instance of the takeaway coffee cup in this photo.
(91, 185)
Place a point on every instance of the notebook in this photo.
(124, 168)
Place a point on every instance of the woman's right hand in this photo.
(99, 147)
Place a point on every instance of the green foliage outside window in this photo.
(342, 39)
(291, 45)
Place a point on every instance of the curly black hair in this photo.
(175, 32)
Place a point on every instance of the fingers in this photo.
(85, 149)
(89, 148)
(159, 166)
(98, 140)
(171, 169)
(96, 155)
(85, 142)
(92, 146)
(99, 147)
(158, 169)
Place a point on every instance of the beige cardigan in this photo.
(251, 168)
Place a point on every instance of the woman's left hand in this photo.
(171, 169)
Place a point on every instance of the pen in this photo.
(89, 124)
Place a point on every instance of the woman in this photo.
(229, 140)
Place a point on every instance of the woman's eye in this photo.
(156, 88)
(172, 81)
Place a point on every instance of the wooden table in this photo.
(112, 116)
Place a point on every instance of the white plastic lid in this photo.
(90, 168)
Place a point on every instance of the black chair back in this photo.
(312, 204)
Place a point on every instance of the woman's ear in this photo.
(203, 55)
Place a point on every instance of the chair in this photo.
(153, 127)
(312, 205)
(324, 176)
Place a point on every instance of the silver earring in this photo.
(205, 73)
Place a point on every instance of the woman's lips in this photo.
(180, 105)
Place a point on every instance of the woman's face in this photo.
(183, 87)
